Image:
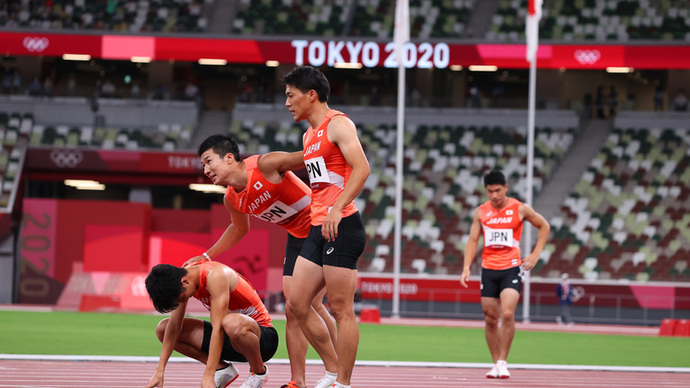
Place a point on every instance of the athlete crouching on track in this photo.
(240, 327)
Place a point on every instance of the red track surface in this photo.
(112, 374)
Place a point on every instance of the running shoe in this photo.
(291, 384)
(327, 380)
(225, 376)
(256, 381)
(503, 371)
(493, 373)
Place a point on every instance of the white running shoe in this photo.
(503, 371)
(327, 380)
(256, 381)
(493, 373)
(225, 376)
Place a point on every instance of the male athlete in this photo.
(338, 169)
(500, 220)
(262, 186)
(240, 327)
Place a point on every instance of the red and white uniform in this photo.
(328, 170)
(243, 299)
(286, 204)
(502, 230)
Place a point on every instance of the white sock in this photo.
(501, 363)
(331, 374)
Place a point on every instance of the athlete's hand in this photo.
(156, 381)
(530, 261)
(329, 227)
(194, 260)
(207, 382)
(464, 277)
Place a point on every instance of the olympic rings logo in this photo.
(66, 158)
(587, 57)
(36, 44)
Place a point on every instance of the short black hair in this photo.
(494, 177)
(221, 145)
(306, 78)
(164, 285)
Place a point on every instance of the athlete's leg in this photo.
(244, 335)
(296, 342)
(509, 301)
(190, 340)
(307, 282)
(341, 284)
(317, 304)
(492, 309)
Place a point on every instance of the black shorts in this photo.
(495, 281)
(344, 251)
(292, 249)
(268, 344)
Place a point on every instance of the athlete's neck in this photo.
(238, 180)
(317, 114)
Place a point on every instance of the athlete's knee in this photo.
(160, 329)
(234, 325)
(508, 317)
(490, 319)
(297, 308)
(341, 310)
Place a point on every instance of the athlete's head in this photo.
(164, 285)
(306, 78)
(494, 177)
(496, 188)
(221, 145)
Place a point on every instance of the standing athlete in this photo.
(338, 169)
(500, 220)
(262, 186)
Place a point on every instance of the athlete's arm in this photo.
(471, 247)
(343, 133)
(232, 235)
(528, 214)
(170, 337)
(218, 283)
(279, 162)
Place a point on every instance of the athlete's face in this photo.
(497, 195)
(215, 167)
(298, 103)
(188, 290)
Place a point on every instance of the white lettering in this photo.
(183, 162)
(387, 288)
(423, 55)
(299, 46)
(499, 220)
(354, 48)
(317, 53)
(370, 54)
(334, 55)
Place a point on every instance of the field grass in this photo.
(73, 333)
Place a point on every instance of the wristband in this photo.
(207, 256)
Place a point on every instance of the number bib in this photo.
(277, 213)
(318, 175)
(498, 237)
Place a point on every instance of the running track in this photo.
(46, 373)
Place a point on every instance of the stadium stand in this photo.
(110, 15)
(626, 217)
(585, 20)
